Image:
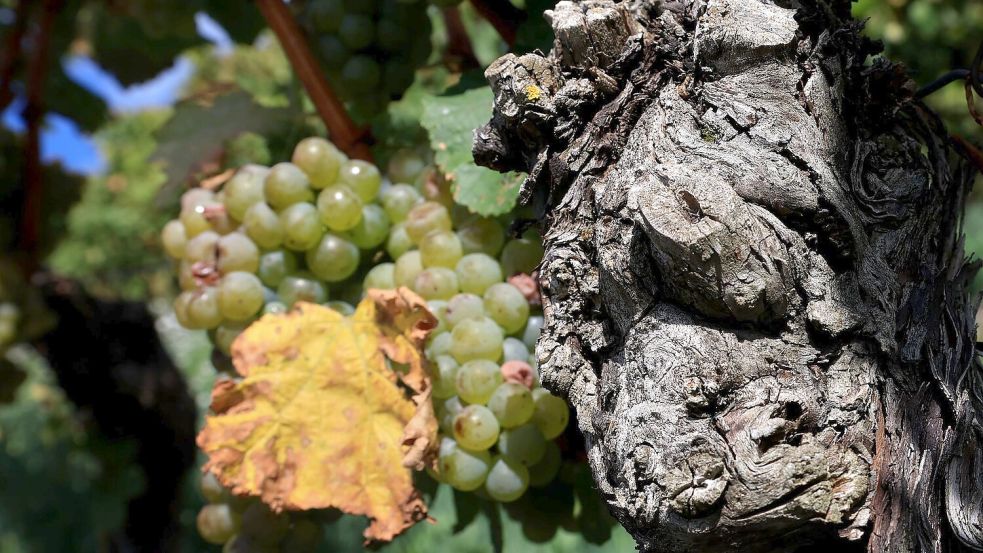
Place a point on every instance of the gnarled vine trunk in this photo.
(754, 282)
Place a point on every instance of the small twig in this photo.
(934, 86)
(30, 231)
(344, 132)
(12, 49)
(458, 43)
(973, 77)
(502, 15)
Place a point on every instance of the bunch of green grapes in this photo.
(247, 525)
(324, 229)
(370, 48)
(272, 236)
(498, 425)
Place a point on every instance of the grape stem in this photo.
(502, 15)
(348, 136)
(30, 225)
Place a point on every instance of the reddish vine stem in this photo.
(30, 232)
(458, 43)
(12, 49)
(502, 15)
(344, 132)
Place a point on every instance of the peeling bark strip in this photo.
(754, 282)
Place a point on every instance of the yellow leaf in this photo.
(320, 420)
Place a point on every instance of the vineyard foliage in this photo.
(356, 375)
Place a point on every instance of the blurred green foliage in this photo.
(930, 37)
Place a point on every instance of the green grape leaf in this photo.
(484, 191)
(450, 121)
(191, 143)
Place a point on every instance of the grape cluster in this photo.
(370, 48)
(323, 228)
(247, 525)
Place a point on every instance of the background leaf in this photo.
(450, 122)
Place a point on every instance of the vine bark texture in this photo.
(754, 282)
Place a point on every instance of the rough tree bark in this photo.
(754, 281)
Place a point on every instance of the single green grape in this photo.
(507, 480)
(506, 305)
(217, 523)
(521, 255)
(333, 51)
(406, 165)
(362, 177)
(274, 266)
(226, 333)
(440, 248)
(481, 235)
(398, 200)
(325, 15)
(357, 31)
(372, 228)
(361, 74)
(302, 228)
(202, 248)
(399, 241)
(340, 208)
(174, 239)
(244, 189)
(476, 272)
(446, 411)
(263, 226)
(475, 428)
(512, 404)
(334, 259)
(543, 472)
(513, 349)
(180, 307)
(463, 469)
(523, 443)
(477, 380)
(464, 306)
(408, 266)
(531, 333)
(301, 287)
(551, 415)
(381, 277)
(440, 344)
(240, 295)
(444, 376)
(320, 160)
(211, 489)
(478, 338)
(275, 308)
(391, 35)
(436, 283)
(286, 185)
(426, 218)
(236, 252)
(203, 309)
